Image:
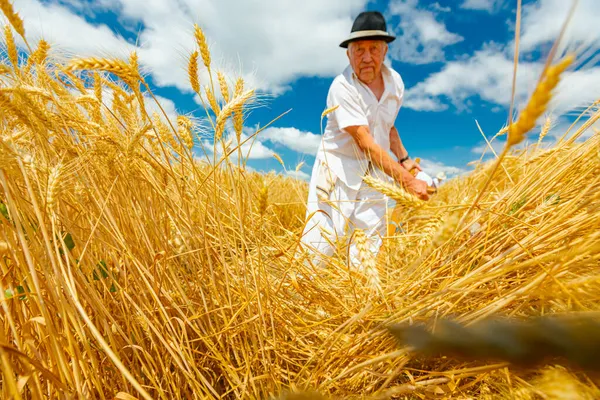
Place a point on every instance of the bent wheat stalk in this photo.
(401, 196)
(536, 106)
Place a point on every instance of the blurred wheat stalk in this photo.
(131, 268)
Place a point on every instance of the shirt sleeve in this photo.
(350, 112)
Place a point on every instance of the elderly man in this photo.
(358, 139)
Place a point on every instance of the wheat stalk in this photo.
(538, 102)
(229, 108)
(329, 111)
(263, 199)
(13, 18)
(545, 129)
(185, 130)
(394, 192)
(212, 101)
(11, 49)
(223, 86)
(238, 114)
(201, 41)
(368, 264)
(193, 72)
(40, 54)
(535, 107)
(118, 67)
(54, 186)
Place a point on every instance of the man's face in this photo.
(366, 58)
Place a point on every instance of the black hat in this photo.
(368, 25)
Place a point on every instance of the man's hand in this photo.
(419, 188)
(410, 164)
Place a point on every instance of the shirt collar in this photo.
(387, 78)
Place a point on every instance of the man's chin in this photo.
(367, 78)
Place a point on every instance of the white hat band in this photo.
(358, 34)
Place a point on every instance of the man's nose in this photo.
(367, 56)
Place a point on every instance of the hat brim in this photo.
(368, 35)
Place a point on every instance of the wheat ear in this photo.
(212, 101)
(120, 68)
(11, 48)
(54, 185)
(201, 41)
(185, 131)
(401, 196)
(238, 114)
(229, 108)
(41, 53)
(263, 199)
(538, 102)
(534, 108)
(223, 86)
(14, 18)
(367, 260)
(193, 72)
(545, 130)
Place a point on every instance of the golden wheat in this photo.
(223, 86)
(13, 18)
(366, 260)
(201, 41)
(193, 72)
(185, 131)
(161, 276)
(11, 48)
(118, 67)
(212, 101)
(229, 108)
(538, 102)
(401, 196)
(40, 54)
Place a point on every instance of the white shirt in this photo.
(358, 106)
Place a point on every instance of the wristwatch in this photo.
(404, 159)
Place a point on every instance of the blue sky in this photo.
(455, 58)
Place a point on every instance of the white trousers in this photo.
(335, 210)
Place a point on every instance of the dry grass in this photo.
(151, 274)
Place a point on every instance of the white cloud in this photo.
(68, 32)
(421, 37)
(432, 168)
(298, 175)
(420, 102)
(292, 138)
(488, 75)
(440, 8)
(269, 43)
(567, 127)
(252, 149)
(543, 21)
(483, 5)
(167, 105)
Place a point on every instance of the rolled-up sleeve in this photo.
(350, 112)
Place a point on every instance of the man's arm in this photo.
(400, 151)
(396, 145)
(382, 159)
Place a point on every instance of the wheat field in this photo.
(130, 268)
